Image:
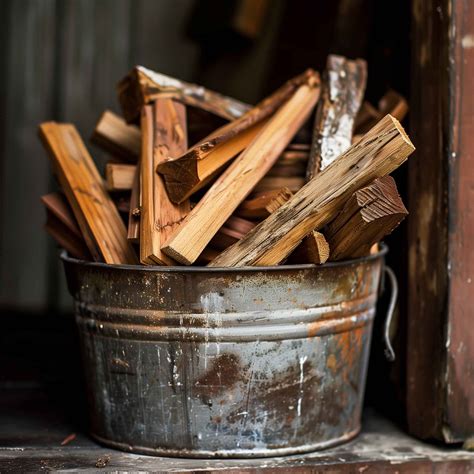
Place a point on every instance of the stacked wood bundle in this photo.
(248, 193)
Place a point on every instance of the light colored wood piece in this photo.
(263, 205)
(187, 174)
(370, 214)
(115, 136)
(119, 176)
(164, 134)
(142, 86)
(381, 150)
(342, 95)
(234, 185)
(96, 214)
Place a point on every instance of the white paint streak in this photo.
(300, 398)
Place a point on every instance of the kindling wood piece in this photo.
(133, 230)
(269, 183)
(142, 86)
(62, 226)
(313, 249)
(370, 214)
(261, 206)
(164, 134)
(188, 173)
(394, 104)
(115, 136)
(341, 97)
(95, 212)
(119, 177)
(234, 185)
(381, 150)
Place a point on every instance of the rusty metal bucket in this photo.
(240, 362)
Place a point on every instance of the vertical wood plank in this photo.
(28, 80)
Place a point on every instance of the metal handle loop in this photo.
(389, 352)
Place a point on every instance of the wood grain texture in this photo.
(342, 95)
(119, 177)
(142, 86)
(163, 134)
(313, 249)
(234, 185)
(381, 150)
(440, 381)
(98, 218)
(368, 216)
(115, 136)
(188, 173)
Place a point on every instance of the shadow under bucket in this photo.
(235, 362)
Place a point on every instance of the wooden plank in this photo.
(243, 174)
(381, 150)
(56, 204)
(341, 98)
(368, 216)
(440, 382)
(163, 135)
(97, 216)
(25, 269)
(115, 136)
(119, 176)
(263, 205)
(142, 86)
(188, 173)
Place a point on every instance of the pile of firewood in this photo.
(254, 191)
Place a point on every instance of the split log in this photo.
(119, 176)
(115, 136)
(381, 150)
(133, 229)
(341, 98)
(263, 205)
(95, 212)
(370, 214)
(190, 172)
(164, 134)
(235, 184)
(142, 86)
(394, 104)
(313, 249)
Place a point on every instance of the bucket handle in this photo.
(389, 352)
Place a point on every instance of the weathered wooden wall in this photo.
(61, 60)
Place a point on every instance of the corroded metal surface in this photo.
(225, 362)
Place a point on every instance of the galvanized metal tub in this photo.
(208, 362)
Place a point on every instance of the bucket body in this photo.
(240, 362)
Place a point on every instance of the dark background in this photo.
(61, 60)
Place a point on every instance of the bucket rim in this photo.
(203, 269)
